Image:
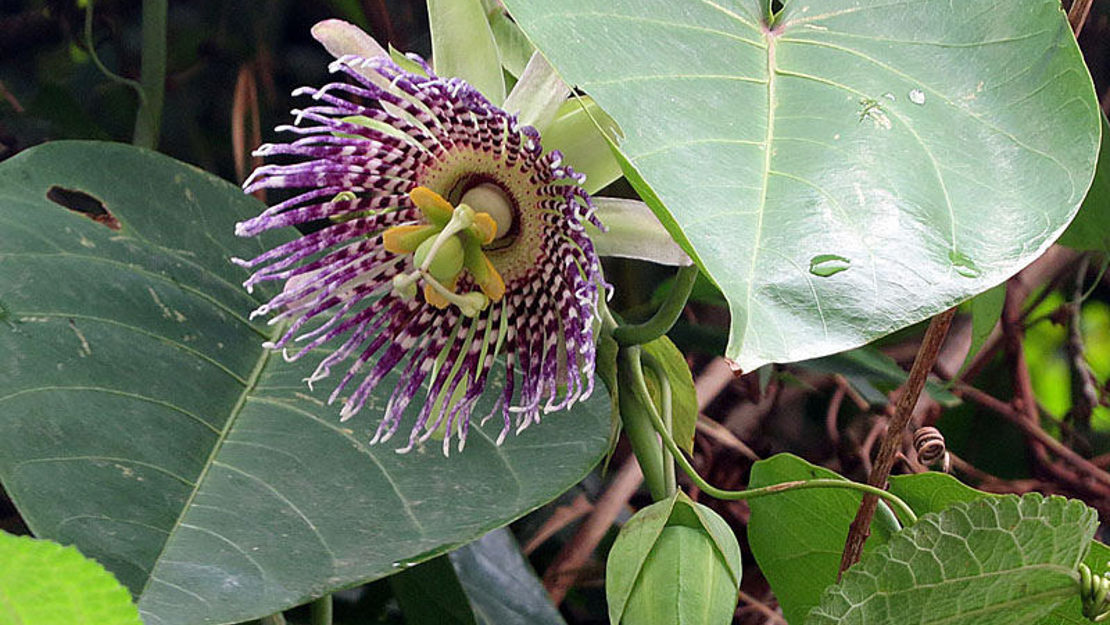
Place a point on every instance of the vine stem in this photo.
(321, 611)
(637, 411)
(901, 508)
(665, 395)
(148, 121)
(663, 318)
(892, 439)
(109, 74)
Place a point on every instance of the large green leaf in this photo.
(141, 420)
(1091, 228)
(502, 587)
(797, 536)
(996, 561)
(853, 168)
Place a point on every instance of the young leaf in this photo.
(933, 492)
(44, 583)
(797, 536)
(997, 561)
(674, 562)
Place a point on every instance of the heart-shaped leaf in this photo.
(142, 420)
(843, 168)
(800, 557)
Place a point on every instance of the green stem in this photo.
(321, 611)
(663, 318)
(905, 513)
(114, 77)
(665, 398)
(636, 415)
(148, 122)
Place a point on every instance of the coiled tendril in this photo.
(1095, 591)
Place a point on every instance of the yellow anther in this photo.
(433, 297)
(405, 239)
(491, 284)
(485, 227)
(435, 209)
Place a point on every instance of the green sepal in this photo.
(513, 45)
(538, 95)
(405, 62)
(463, 46)
(675, 561)
(583, 133)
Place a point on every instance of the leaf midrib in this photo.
(252, 382)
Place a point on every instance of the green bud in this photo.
(448, 259)
(674, 562)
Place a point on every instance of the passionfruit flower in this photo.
(455, 244)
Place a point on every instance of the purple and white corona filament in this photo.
(426, 183)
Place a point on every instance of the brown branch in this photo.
(892, 440)
(1101, 484)
(560, 518)
(832, 413)
(759, 606)
(1077, 16)
(560, 576)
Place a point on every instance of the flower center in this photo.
(492, 199)
(450, 242)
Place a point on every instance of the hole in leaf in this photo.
(83, 203)
(776, 6)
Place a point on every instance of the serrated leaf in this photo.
(933, 492)
(502, 586)
(838, 129)
(800, 557)
(143, 422)
(44, 583)
(999, 561)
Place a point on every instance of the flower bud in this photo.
(674, 562)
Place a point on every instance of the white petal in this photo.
(634, 232)
(342, 39)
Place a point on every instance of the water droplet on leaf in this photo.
(825, 265)
(964, 265)
(917, 96)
